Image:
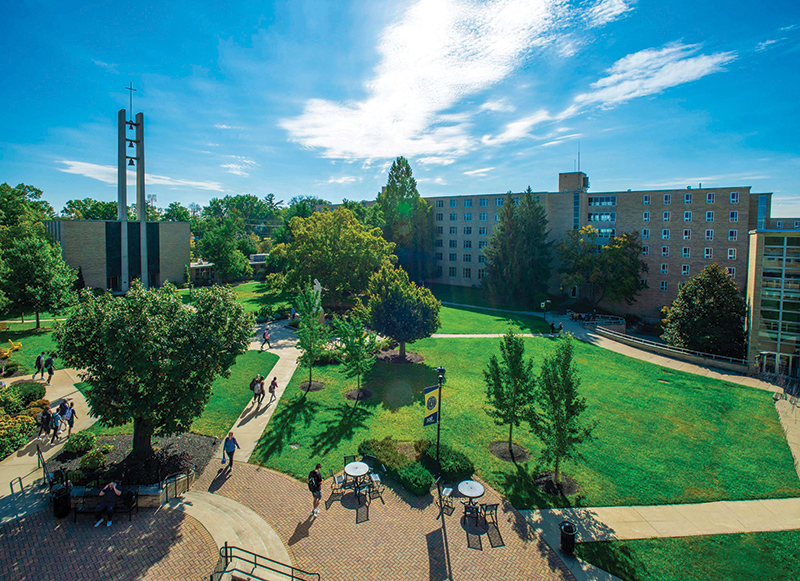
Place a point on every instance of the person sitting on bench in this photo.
(108, 499)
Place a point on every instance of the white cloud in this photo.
(606, 11)
(342, 180)
(240, 167)
(478, 172)
(438, 53)
(651, 71)
(519, 129)
(437, 181)
(435, 160)
(223, 126)
(109, 67)
(719, 180)
(498, 105)
(762, 46)
(108, 174)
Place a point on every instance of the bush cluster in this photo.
(453, 465)
(29, 391)
(10, 368)
(411, 474)
(93, 460)
(80, 442)
(14, 432)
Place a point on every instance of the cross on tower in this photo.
(132, 90)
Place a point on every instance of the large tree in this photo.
(707, 315)
(510, 384)
(612, 271)
(400, 309)
(555, 417)
(519, 252)
(36, 277)
(90, 209)
(312, 335)
(149, 359)
(221, 245)
(175, 212)
(407, 220)
(334, 248)
(22, 205)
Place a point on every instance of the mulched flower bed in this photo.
(315, 386)
(544, 482)
(393, 356)
(500, 450)
(358, 394)
(174, 454)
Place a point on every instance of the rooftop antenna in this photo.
(132, 90)
(579, 155)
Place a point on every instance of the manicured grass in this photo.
(736, 557)
(229, 396)
(464, 320)
(688, 440)
(466, 295)
(33, 342)
(252, 295)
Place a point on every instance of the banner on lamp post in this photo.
(431, 395)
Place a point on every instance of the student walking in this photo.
(229, 448)
(315, 486)
(44, 423)
(258, 392)
(39, 365)
(254, 387)
(55, 424)
(272, 387)
(70, 416)
(49, 366)
(265, 338)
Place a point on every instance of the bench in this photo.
(88, 501)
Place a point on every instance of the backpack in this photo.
(312, 482)
(253, 384)
(39, 362)
(54, 420)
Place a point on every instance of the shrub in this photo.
(80, 442)
(107, 448)
(386, 452)
(14, 432)
(453, 465)
(10, 368)
(414, 477)
(29, 391)
(93, 460)
(275, 281)
(31, 412)
(294, 323)
(39, 403)
(9, 401)
(266, 311)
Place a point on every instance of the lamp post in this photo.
(440, 371)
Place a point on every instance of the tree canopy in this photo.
(707, 315)
(150, 359)
(22, 205)
(175, 212)
(357, 347)
(400, 309)
(407, 220)
(519, 252)
(613, 271)
(90, 209)
(221, 245)
(334, 248)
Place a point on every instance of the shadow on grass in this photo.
(299, 411)
(397, 385)
(613, 557)
(521, 490)
(342, 426)
(526, 323)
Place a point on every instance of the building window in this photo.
(439, 243)
(710, 216)
(602, 217)
(467, 216)
(709, 234)
(681, 285)
(453, 257)
(731, 271)
(438, 256)
(481, 258)
(467, 273)
(482, 231)
(665, 251)
(453, 244)
(496, 217)
(732, 234)
(687, 198)
(667, 199)
(516, 201)
(453, 230)
(645, 216)
(687, 234)
(451, 271)
(686, 252)
(454, 203)
(498, 201)
(646, 200)
(482, 202)
(467, 244)
(710, 198)
(665, 234)
(662, 286)
(607, 232)
(665, 217)
(645, 233)
(480, 273)
(467, 258)
(482, 217)
(439, 230)
(467, 230)
(468, 203)
(687, 216)
(796, 224)
(439, 217)
(664, 268)
(779, 224)
(453, 217)
(438, 272)
(731, 254)
(734, 197)
(482, 244)
(645, 250)
(708, 252)
(734, 216)
(440, 203)
(685, 269)
(602, 200)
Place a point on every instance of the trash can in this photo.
(61, 503)
(568, 532)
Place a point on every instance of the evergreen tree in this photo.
(707, 315)
(358, 347)
(79, 283)
(312, 336)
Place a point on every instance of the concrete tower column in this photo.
(122, 198)
(141, 201)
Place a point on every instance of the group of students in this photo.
(258, 389)
(44, 364)
(55, 420)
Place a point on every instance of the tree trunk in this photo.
(37, 320)
(510, 447)
(402, 350)
(556, 472)
(308, 387)
(142, 437)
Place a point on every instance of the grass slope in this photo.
(252, 295)
(735, 557)
(33, 342)
(464, 320)
(688, 440)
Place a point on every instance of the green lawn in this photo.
(33, 342)
(662, 437)
(252, 295)
(736, 557)
(229, 396)
(464, 320)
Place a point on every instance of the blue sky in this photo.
(301, 97)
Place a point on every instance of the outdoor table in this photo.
(471, 489)
(356, 470)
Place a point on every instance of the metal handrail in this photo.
(11, 485)
(164, 484)
(675, 349)
(227, 554)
